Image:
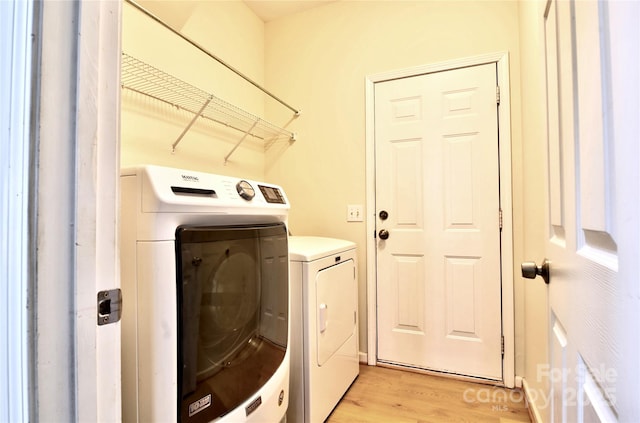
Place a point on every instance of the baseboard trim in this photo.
(518, 381)
(363, 357)
(534, 412)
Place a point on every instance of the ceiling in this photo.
(268, 10)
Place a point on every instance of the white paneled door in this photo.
(589, 165)
(437, 222)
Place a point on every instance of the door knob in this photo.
(383, 234)
(383, 214)
(530, 270)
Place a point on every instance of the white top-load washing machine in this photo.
(205, 317)
(324, 325)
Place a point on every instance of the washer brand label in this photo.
(198, 406)
(190, 178)
(253, 406)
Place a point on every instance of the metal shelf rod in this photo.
(214, 57)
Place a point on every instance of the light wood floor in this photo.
(394, 396)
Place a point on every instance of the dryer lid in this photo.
(310, 248)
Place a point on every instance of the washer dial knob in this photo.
(245, 190)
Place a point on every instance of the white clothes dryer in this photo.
(324, 325)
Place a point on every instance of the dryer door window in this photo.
(232, 312)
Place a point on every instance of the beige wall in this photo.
(229, 30)
(535, 302)
(319, 59)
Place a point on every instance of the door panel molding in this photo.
(501, 59)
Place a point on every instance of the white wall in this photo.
(319, 59)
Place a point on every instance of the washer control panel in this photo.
(270, 194)
(168, 190)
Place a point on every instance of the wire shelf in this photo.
(142, 78)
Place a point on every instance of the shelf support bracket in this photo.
(226, 158)
(196, 116)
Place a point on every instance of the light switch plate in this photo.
(355, 213)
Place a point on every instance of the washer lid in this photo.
(309, 248)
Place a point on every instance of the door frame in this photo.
(501, 59)
(75, 204)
